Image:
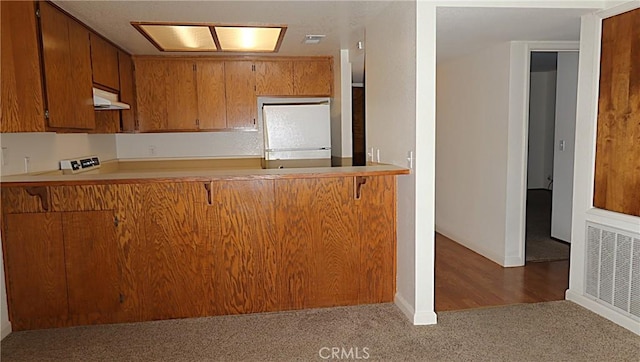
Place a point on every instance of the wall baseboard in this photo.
(489, 254)
(604, 311)
(6, 330)
(416, 318)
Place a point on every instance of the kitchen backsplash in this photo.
(33, 152)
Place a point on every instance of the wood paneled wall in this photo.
(617, 169)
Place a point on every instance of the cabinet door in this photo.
(212, 113)
(127, 95)
(274, 78)
(22, 105)
(240, 90)
(177, 252)
(317, 224)
(91, 249)
(182, 101)
(104, 62)
(67, 69)
(151, 96)
(245, 251)
(313, 77)
(377, 222)
(34, 261)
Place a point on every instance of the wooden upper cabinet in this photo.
(211, 95)
(240, 94)
(67, 70)
(274, 78)
(617, 174)
(127, 95)
(22, 103)
(313, 77)
(104, 61)
(166, 95)
(182, 102)
(151, 95)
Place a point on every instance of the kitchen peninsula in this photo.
(126, 245)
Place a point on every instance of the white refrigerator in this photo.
(297, 135)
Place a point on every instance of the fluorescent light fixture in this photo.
(249, 39)
(170, 37)
(179, 38)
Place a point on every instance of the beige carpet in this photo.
(554, 331)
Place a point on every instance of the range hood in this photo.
(103, 100)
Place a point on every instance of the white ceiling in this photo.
(466, 30)
(343, 22)
(460, 30)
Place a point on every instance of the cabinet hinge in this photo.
(121, 298)
(46, 114)
(253, 67)
(194, 67)
(116, 221)
(37, 13)
(198, 122)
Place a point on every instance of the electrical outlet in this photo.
(410, 159)
(152, 150)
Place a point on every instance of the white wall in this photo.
(393, 84)
(46, 149)
(5, 325)
(471, 149)
(565, 129)
(341, 140)
(542, 110)
(584, 164)
(190, 144)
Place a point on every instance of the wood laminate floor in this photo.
(465, 279)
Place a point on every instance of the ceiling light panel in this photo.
(249, 39)
(180, 38)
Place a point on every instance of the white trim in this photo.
(425, 318)
(404, 306)
(6, 330)
(614, 219)
(416, 318)
(486, 252)
(619, 9)
(604, 311)
(515, 232)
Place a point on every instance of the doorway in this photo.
(551, 128)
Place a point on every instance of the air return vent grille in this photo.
(613, 268)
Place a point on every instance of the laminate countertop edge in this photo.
(198, 175)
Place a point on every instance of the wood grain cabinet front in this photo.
(62, 267)
(338, 241)
(66, 54)
(22, 97)
(104, 62)
(313, 77)
(87, 254)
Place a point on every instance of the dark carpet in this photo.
(539, 245)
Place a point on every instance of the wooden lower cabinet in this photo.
(151, 251)
(34, 263)
(317, 227)
(176, 253)
(61, 269)
(245, 251)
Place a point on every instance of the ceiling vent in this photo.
(313, 39)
